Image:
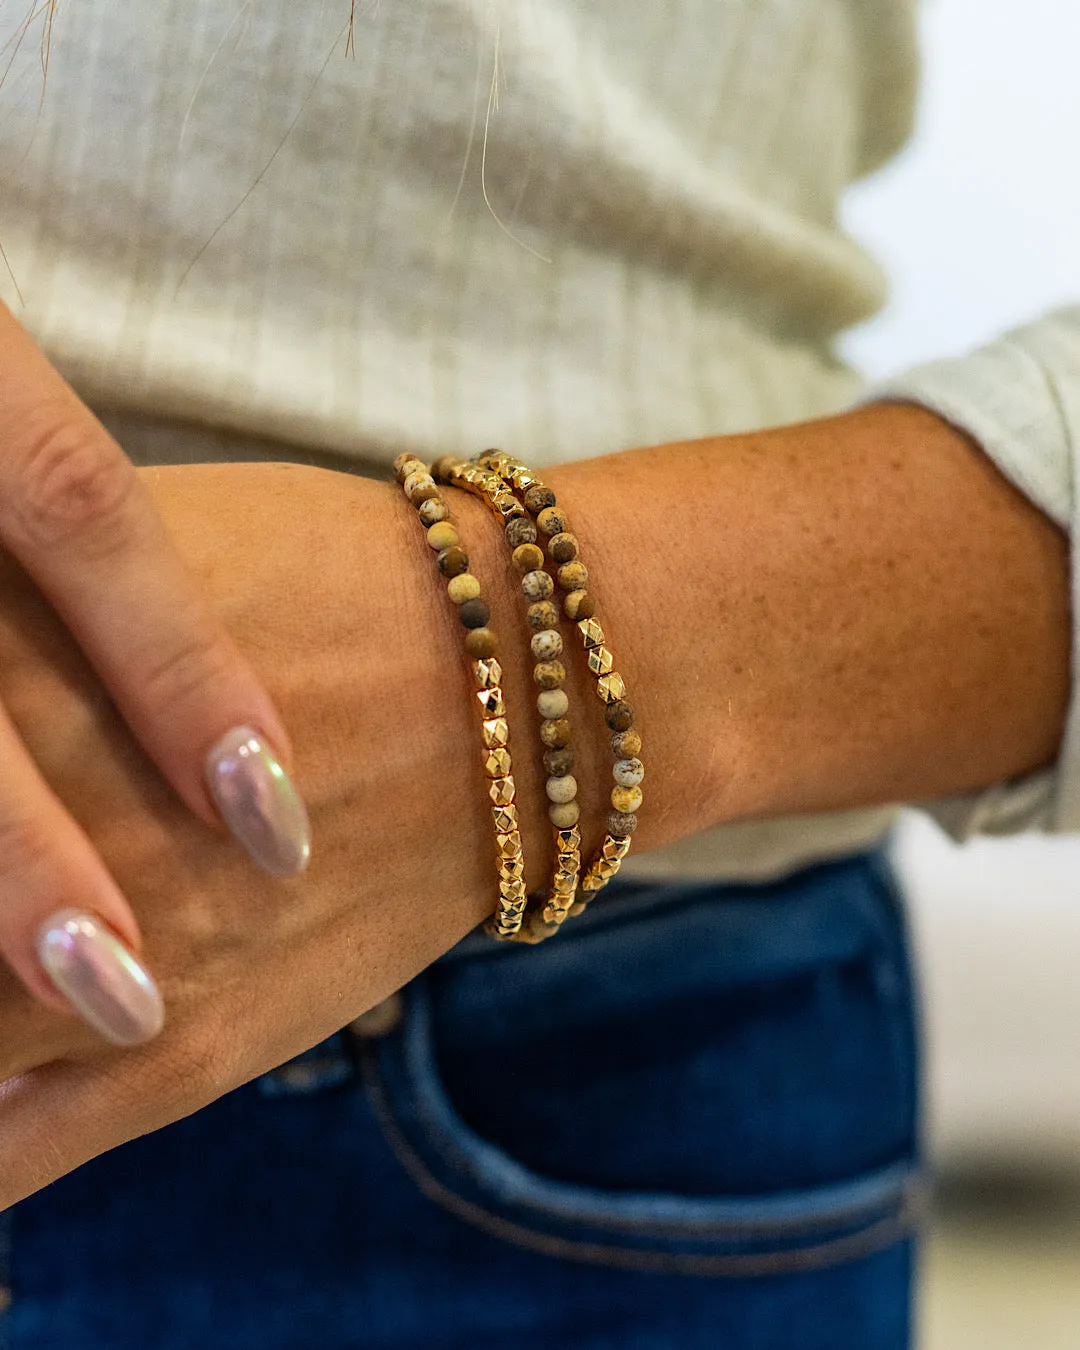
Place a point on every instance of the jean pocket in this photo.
(716, 1080)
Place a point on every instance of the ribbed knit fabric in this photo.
(564, 227)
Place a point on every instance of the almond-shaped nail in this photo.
(258, 802)
(100, 977)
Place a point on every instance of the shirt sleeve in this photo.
(1019, 398)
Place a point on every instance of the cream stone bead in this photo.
(628, 772)
(553, 703)
(562, 789)
(432, 511)
(547, 644)
(463, 588)
(442, 535)
(564, 815)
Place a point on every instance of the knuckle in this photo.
(71, 483)
(193, 665)
(26, 845)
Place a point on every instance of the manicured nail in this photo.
(106, 985)
(258, 802)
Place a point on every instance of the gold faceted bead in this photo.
(600, 660)
(509, 845)
(501, 791)
(611, 687)
(513, 891)
(488, 673)
(507, 504)
(512, 869)
(491, 701)
(496, 763)
(496, 732)
(614, 850)
(592, 635)
(505, 818)
(567, 841)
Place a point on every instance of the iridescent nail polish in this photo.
(102, 980)
(258, 802)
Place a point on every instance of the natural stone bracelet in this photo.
(580, 608)
(464, 590)
(552, 701)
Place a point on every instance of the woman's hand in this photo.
(73, 511)
(325, 582)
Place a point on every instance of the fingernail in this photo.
(258, 802)
(101, 979)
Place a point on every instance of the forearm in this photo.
(845, 612)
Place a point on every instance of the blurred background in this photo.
(979, 227)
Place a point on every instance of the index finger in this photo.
(75, 514)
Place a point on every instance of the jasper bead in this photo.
(556, 733)
(453, 561)
(462, 588)
(573, 576)
(628, 772)
(552, 520)
(559, 761)
(626, 798)
(480, 643)
(538, 498)
(542, 615)
(579, 605)
(625, 744)
(549, 674)
(561, 789)
(442, 535)
(407, 464)
(563, 548)
(528, 557)
(442, 468)
(474, 613)
(619, 715)
(520, 530)
(417, 480)
(537, 586)
(432, 511)
(553, 703)
(621, 823)
(564, 815)
(546, 645)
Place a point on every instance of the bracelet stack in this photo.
(530, 517)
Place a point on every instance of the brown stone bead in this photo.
(558, 761)
(474, 613)
(520, 530)
(563, 548)
(573, 576)
(440, 470)
(537, 586)
(424, 492)
(619, 715)
(542, 615)
(479, 643)
(579, 605)
(552, 520)
(528, 557)
(453, 561)
(549, 674)
(539, 498)
(626, 744)
(555, 734)
(621, 823)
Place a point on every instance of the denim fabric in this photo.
(688, 1122)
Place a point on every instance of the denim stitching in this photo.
(879, 1236)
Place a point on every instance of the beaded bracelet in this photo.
(463, 589)
(580, 608)
(552, 701)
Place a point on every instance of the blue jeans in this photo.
(689, 1121)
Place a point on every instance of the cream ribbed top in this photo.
(564, 226)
